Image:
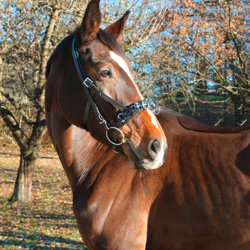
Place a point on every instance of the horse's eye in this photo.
(104, 73)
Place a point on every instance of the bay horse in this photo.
(133, 188)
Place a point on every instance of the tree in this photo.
(210, 45)
(29, 32)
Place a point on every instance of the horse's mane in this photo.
(60, 47)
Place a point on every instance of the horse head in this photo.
(109, 94)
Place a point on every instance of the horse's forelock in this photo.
(109, 40)
(103, 36)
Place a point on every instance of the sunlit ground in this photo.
(48, 221)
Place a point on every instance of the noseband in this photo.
(127, 112)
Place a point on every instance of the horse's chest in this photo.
(116, 223)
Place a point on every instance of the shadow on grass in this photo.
(36, 240)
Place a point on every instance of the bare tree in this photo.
(29, 32)
(210, 44)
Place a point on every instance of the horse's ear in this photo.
(116, 28)
(90, 23)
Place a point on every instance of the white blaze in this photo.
(120, 61)
(124, 66)
(153, 120)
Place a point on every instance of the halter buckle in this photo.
(88, 82)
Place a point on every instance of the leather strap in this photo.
(90, 89)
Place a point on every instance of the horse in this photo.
(142, 176)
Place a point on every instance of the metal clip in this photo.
(104, 123)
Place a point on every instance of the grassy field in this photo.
(48, 221)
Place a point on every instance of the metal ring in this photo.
(120, 117)
(157, 110)
(145, 104)
(114, 143)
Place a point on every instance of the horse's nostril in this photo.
(154, 147)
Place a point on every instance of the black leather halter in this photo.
(126, 112)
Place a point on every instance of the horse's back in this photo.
(204, 202)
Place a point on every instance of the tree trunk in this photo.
(23, 184)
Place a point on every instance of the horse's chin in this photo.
(148, 165)
(140, 163)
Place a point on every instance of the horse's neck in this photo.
(80, 154)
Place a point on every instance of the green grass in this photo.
(48, 221)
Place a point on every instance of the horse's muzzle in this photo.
(152, 159)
